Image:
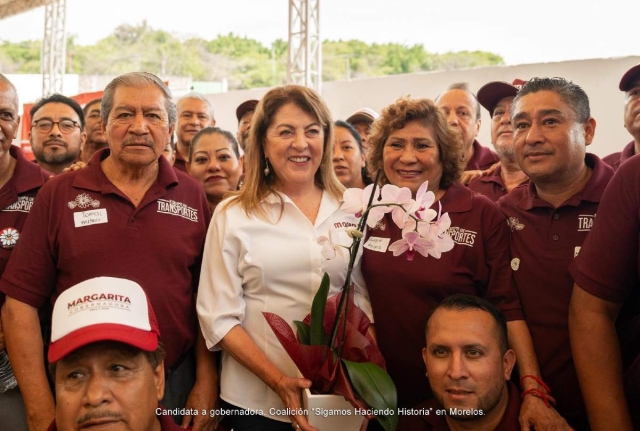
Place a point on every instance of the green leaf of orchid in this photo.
(318, 336)
(373, 385)
(304, 332)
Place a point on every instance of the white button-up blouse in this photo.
(252, 265)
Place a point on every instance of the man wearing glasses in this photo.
(57, 132)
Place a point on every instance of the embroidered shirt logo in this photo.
(9, 238)
(585, 222)
(462, 236)
(178, 209)
(514, 224)
(23, 205)
(515, 264)
(84, 201)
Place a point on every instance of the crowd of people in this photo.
(140, 249)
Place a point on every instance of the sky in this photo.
(526, 32)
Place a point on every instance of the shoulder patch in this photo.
(514, 224)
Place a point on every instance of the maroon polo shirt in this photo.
(166, 424)
(180, 163)
(616, 159)
(402, 292)
(16, 199)
(609, 267)
(82, 226)
(483, 158)
(491, 186)
(426, 419)
(544, 242)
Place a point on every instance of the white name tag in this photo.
(87, 218)
(375, 243)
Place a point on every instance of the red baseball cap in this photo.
(244, 107)
(493, 92)
(629, 78)
(102, 309)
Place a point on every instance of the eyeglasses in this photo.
(45, 125)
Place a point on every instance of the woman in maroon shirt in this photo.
(412, 143)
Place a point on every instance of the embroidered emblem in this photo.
(9, 238)
(84, 201)
(585, 222)
(515, 264)
(514, 224)
(381, 225)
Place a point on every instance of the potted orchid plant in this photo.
(333, 347)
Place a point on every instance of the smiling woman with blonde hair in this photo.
(262, 255)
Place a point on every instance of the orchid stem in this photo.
(347, 282)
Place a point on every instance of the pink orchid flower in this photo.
(436, 232)
(410, 243)
(356, 201)
(418, 208)
(329, 249)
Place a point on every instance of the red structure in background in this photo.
(82, 99)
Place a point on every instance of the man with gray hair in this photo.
(195, 112)
(127, 214)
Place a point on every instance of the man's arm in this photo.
(534, 414)
(596, 353)
(204, 394)
(24, 344)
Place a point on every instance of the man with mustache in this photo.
(57, 132)
(469, 366)
(630, 84)
(497, 98)
(127, 214)
(550, 219)
(195, 112)
(106, 359)
(95, 138)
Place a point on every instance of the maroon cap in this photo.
(629, 78)
(244, 107)
(493, 92)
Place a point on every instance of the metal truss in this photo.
(304, 65)
(54, 47)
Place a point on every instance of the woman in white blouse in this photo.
(262, 255)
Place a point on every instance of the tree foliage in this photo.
(244, 62)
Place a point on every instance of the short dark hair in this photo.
(59, 98)
(462, 301)
(89, 104)
(570, 93)
(214, 131)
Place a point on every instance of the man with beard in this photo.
(95, 138)
(497, 97)
(57, 132)
(463, 114)
(195, 112)
(244, 114)
(630, 84)
(469, 366)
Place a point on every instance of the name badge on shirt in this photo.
(378, 244)
(87, 218)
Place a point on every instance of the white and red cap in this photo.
(629, 78)
(493, 92)
(366, 115)
(102, 309)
